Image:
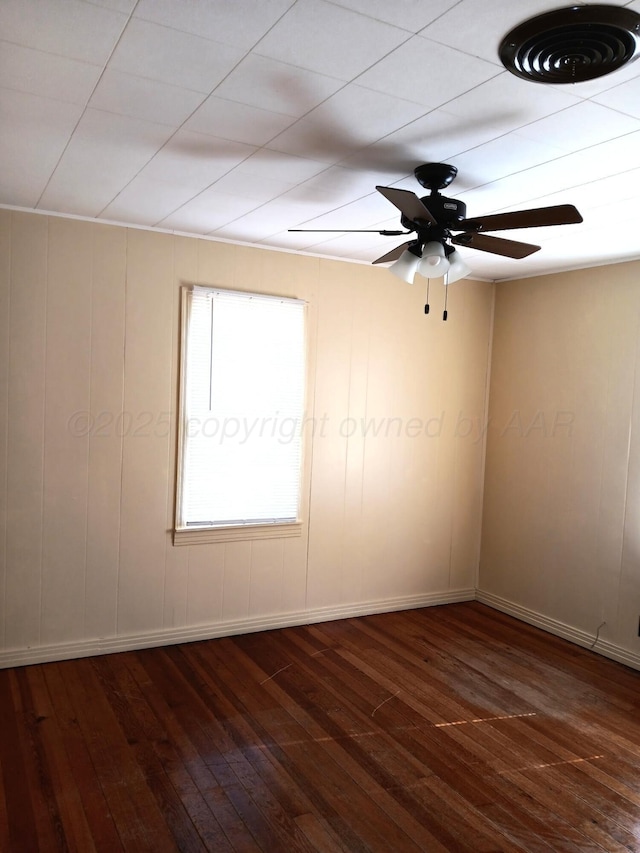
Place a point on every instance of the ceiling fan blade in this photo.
(495, 245)
(394, 254)
(561, 214)
(347, 231)
(408, 203)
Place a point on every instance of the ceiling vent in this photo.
(572, 45)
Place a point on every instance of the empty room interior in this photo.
(424, 634)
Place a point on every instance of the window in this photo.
(241, 416)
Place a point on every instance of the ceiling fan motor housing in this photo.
(445, 210)
(434, 177)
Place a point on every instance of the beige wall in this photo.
(561, 532)
(89, 323)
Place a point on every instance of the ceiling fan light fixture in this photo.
(457, 268)
(434, 263)
(573, 44)
(406, 266)
(433, 219)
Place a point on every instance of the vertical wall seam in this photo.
(602, 579)
(628, 461)
(44, 421)
(364, 444)
(122, 402)
(90, 409)
(483, 463)
(5, 485)
(348, 440)
(313, 297)
(167, 541)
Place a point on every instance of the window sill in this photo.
(240, 532)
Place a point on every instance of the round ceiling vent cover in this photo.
(572, 45)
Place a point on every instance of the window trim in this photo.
(236, 533)
(203, 534)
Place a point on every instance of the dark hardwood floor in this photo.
(451, 728)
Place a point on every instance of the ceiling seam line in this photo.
(248, 52)
(86, 106)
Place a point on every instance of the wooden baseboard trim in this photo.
(110, 645)
(560, 629)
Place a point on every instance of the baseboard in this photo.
(110, 645)
(560, 629)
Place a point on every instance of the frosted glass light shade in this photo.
(405, 267)
(434, 263)
(457, 268)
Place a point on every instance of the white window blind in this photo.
(242, 409)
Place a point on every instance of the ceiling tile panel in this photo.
(321, 37)
(33, 134)
(240, 23)
(341, 245)
(507, 102)
(365, 212)
(188, 61)
(274, 164)
(150, 100)
(261, 189)
(47, 75)
(601, 84)
(362, 115)
(420, 71)
(208, 211)
(351, 119)
(195, 160)
(478, 29)
(504, 156)
(406, 14)
(288, 241)
(569, 171)
(118, 5)
(261, 223)
(625, 98)
(343, 185)
(306, 139)
(105, 153)
(69, 28)
(237, 122)
(434, 137)
(146, 201)
(580, 126)
(276, 86)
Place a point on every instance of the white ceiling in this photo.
(240, 119)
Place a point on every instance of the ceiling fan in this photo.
(434, 218)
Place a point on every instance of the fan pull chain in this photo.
(445, 313)
(426, 307)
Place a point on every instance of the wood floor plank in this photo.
(141, 730)
(444, 729)
(396, 769)
(94, 803)
(139, 822)
(320, 834)
(17, 805)
(181, 752)
(74, 828)
(507, 755)
(271, 741)
(205, 757)
(48, 823)
(297, 736)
